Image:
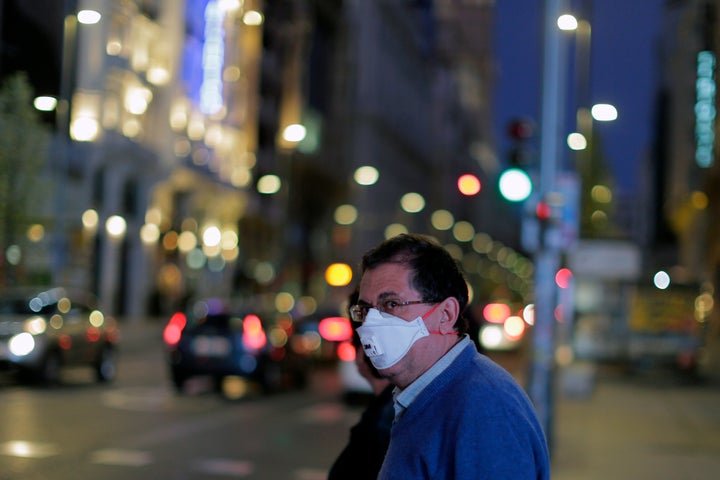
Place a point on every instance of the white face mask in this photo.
(386, 338)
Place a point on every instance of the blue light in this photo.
(211, 90)
(705, 109)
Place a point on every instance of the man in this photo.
(458, 415)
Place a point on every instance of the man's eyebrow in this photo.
(381, 297)
(385, 295)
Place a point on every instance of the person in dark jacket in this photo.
(369, 438)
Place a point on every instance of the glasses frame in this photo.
(362, 309)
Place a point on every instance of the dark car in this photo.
(43, 330)
(213, 340)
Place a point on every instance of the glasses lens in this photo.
(358, 312)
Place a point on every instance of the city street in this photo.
(648, 426)
(138, 427)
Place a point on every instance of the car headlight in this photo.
(21, 344)
(35, 325)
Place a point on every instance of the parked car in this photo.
(43, 330)
(212, 339)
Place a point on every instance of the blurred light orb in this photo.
(345, 215)
(264, 272)
(153, 215)
(442, 220)
(528, 314)
(149, 233)
(170, 241)
(294, 133)
(216, 263)
(412, 202)
(229, 240)
(469, 185)
(496, 312)
(13, 254)
(196, 259)
(482, 243)
(576, 141)
(36, 232)
(366, 175)
(463, 231)
(45, 103)
(211, 236)
(284, 302)
(604, 112)
(514, 327)
(454, 250)
(116, 226)
(567, 22)
(599, 219)
(661, 280)
(84, 129)
(253, 18)
(186, 241)
(90, 219)
(338, 274)
(515, 185)
(601, 194)
(395, 229)
(88, 17)
(563, 277)
(269, 184)
(699, 200)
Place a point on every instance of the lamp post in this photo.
(547, 256)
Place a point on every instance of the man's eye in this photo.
(390, 305)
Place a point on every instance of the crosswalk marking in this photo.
(221, 466)
(25, 449)
(121, 457)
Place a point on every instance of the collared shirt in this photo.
(403, 398)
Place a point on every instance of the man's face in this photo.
(391, 281)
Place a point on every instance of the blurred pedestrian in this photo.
(364, 453)
(458, 415)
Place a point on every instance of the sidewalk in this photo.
(648, 426)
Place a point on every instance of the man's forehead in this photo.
(384, 281)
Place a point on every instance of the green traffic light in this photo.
(515, 185)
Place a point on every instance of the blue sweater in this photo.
(471, 422)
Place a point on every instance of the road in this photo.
(650, 426)
(138, 428)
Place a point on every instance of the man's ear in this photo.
(449, 312)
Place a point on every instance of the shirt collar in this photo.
(403, 398)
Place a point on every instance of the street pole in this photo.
(547, 257)
(62, 161)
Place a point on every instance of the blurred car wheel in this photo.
(49, 373)
(178, 380)
(106, 366)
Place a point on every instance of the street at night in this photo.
(653, 426)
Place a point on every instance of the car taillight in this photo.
(335, 329)
(173, 330)
(253, 337)
(346, 352)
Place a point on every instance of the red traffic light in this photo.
(563, 277)
(521, 129)
(543, 210)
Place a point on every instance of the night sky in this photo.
(624, 72)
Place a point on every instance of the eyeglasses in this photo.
(391, 306)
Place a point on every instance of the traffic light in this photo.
(521, 132)
(515, 183)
